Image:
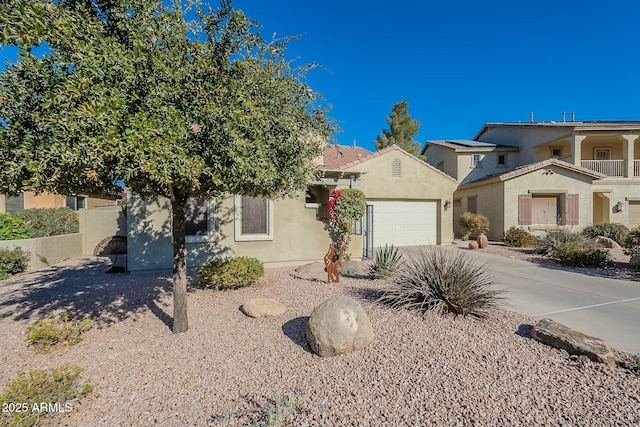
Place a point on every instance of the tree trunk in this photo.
(180, 320)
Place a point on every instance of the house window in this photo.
(253, 219)
(556, 152)
(396, 172)
(602, 154)
(502, 160)
(548, 209)
(472, 204)
(477, 161)
(199, 220)
(75, 202)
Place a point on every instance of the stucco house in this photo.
(545, 175)
(409, 203)
(30, 200)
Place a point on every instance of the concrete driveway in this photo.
(605, 308)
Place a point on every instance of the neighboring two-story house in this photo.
(544, 175)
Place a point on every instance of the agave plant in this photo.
(385, 261)
(442, 279)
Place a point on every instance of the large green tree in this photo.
(402, 130)
(176, 101)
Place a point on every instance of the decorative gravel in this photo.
(228, 369)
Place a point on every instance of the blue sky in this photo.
(460, 64)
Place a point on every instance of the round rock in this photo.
(338, 325)
(263, 307)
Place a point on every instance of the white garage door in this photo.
(404, 223)
(634, 213)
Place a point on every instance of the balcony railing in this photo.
(636, 168)
(606, 167)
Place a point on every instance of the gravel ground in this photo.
(228, 369)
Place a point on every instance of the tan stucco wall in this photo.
(620, 192)
(44, 200)
(418, 181)
(490, 204)
(528, 138)
(46, 251)
(298, 237)
(561, 179)
(95, 225)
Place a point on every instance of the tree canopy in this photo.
(180, 101)
(402, 130)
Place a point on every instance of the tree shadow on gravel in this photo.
(84, 289)
(367, 294)
(295, 329)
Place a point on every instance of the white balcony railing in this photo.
(606, 167)
(636, 168)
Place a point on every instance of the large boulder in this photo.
(338, 325)
(354, 268)
(634, 262)
(605, 242)
(559, 336)
(263, 307)
(311, 269)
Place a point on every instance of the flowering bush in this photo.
(344, 207)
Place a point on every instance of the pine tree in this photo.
(402, 130)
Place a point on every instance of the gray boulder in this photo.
(338, 325)
(559, 336)
(311, 269)
(263, 307)
(605, 242)
(354, 268)
(634, 262)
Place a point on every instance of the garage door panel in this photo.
(404, 223)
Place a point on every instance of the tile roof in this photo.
(336, 156)
(358, 159)
(521, 170)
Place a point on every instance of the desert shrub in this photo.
(616, 232)
(229, 273)
(385, 261)
(55, 388)
(442, 279)
(12, 228)
(519, 238)
(547, 243)
(44, 222)
(13, 261)
(575, 254)
(631, 243)
(56, 330)
(473, 223)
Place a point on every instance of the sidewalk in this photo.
(601, 307)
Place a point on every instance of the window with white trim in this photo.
(477, 161)
(253, 218)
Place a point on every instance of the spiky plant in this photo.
(443, 279)
(547, 243)
(385, 261)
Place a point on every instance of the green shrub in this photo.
(546, 244)
(56, 388)
(56, 330)
(616, 232)
(13, 261)
(473, 223)
(229, 273)
(519, 238)
(631, 243)
(12, 228)
(385, 261)
(581, 255)
(442, 279)
(44, 222)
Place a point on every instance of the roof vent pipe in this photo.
(531, 116)
(573, 116)
(564, 116)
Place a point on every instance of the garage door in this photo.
(404, 223)
(634, 213)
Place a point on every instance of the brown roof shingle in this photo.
(337, 156)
